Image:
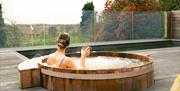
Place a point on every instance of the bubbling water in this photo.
(104, 62)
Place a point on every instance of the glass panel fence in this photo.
(93, 27)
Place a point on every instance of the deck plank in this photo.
(167, 65)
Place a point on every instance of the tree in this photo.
(131, 5)
(52, 31)
(168, 5)
(13, 35)
(87, 18)
(1, 19)
(117, 18)
(2, 29)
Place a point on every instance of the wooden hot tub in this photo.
(119, 79)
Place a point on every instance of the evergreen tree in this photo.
(2, 29)
(87, 18)
(168, 5)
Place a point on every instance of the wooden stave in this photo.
(134, 83)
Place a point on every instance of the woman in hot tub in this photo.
(58, 59)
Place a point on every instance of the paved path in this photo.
(167, 65)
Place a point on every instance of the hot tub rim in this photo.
(100, 71)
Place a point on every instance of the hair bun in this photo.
(63, 40)
(60, 45)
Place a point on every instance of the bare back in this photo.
(60, 61)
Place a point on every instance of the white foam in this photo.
(103, 62)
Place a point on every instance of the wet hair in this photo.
(63, 40)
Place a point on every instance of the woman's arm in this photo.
(84, 53)
(69, 64)
(82, 62)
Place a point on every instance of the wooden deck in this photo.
(167, 66)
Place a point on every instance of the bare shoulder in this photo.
(50, 55)
(69, 63)
(50, 59)
(68, 59)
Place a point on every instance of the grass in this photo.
(49, 41)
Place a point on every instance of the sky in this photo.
(46, 11)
